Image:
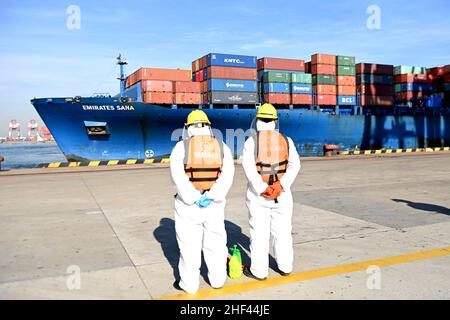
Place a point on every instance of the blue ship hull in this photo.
(138, 130)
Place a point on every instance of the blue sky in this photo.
(41, 57)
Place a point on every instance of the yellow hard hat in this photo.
(197, 116)
(267, 111)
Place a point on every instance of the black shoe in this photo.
(284, 274)
(176, 285)
(249, 274)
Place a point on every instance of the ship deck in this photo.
(116, 227)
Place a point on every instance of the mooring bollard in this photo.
(1, 160)
(330, 149)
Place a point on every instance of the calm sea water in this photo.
(29, 155)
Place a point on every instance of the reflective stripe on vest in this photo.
(203, 160)
(272, 155)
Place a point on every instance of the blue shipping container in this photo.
(301, 88)
(417, 87)
(231, 60)
(231, 85)
(134, 92)
(274, 87)
(346, 100)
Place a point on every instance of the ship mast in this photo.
(122, 77)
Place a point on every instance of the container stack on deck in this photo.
(374, 84)
(412, 85)
(323, 69)
(162, 86)
(447, 85)
(283, 81)
(346, 80)
(226, 78)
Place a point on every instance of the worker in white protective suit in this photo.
(202, 169)
(271, 164)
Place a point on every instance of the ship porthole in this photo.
(149, 153)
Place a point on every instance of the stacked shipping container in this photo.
(375, 84)
(323, 69)
(283, 81)
(163, 86)
(346, 80)
(411, 84)
(226, 78)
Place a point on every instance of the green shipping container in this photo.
(408, 69)
(297, 77)
(346, 70)
(283, 77)
(398, 87)
(323, 79)
(345, 61)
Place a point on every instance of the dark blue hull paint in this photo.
(149, 127)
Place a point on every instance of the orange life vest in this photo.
(272, 155)
(203, 160)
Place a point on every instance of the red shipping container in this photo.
(447, 78)
(156, 86)
(301, 99)
(323, 59)
(326, 99)
(281, 64)
(160, 74)
(377, 100)
(158, 97)
(436, 71)
(204, 86)
(374, 68)
(277, 98)
(323, 69)
(419, 78)
(308, 67)
(447, 69)
(346, 80)
(187, 98)
(325, 89)
(346, 90)
(203, 61)
(376, 90)
(188, 87)
(231, 73)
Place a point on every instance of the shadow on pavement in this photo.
(425, 206)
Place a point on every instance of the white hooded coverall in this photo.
(266, 217)
(198, 228)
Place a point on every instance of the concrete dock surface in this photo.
(108, 233)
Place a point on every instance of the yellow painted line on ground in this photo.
(437, 149)
(308, 275)
(429, 150)
(409, 150)
(447, 149)
(389, 151)
(356, 152)
(93, 163)
(54, 165)
(378, 151)
(131, 161)
(74, 164)
(165, 160)
(149, 161)
(113, 162)
(367, 152)
(345, 153)
(399, 150)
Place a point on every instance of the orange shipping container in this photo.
(231, 73)
(204, 86)
(419, 78)
(188, 87)
(323, 69)
(377, 100)
(325, 89)
(301, 99)
(277, 98)
(323, 59)
(326, 99)
(157, 86)
(281, 64)
(346, 90)
(346, 81)
(158, 97)
(159, 74)
(187, 98)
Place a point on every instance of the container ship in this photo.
(327, 100)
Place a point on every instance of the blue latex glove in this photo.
(204, 201)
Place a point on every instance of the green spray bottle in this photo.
(235, 264)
